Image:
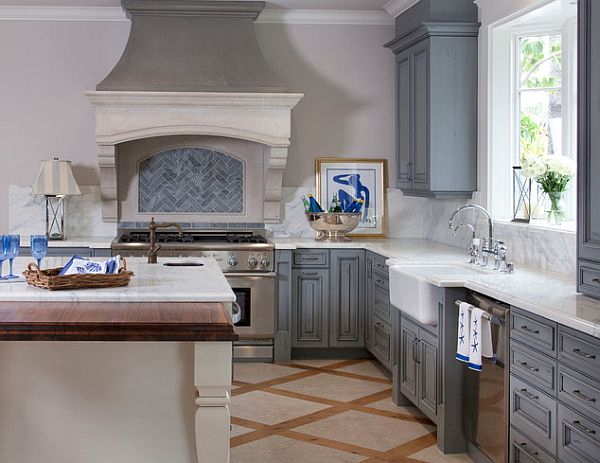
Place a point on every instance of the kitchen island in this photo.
(112, 374)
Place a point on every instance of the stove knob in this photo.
(232, 262)
(252, 262)
(264, 262)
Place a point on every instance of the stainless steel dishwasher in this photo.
(486, 392)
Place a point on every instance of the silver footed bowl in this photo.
(333, 226)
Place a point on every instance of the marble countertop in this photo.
(548, 294)
(151, 283)
(98, 242)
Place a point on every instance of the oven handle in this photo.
(236, 312)
(251, 275)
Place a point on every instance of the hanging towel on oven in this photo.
(462, 342)
(481, 339)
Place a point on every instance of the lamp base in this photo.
(55, 218)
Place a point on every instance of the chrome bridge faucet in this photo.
(154, 247)
(480, 251)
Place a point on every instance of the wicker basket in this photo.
(50, 279)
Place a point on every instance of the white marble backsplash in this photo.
(83, 214)
(411, 217)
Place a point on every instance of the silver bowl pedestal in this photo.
(333, 226)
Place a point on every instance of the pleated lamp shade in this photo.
(56, 179)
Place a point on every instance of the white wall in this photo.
(346, 74)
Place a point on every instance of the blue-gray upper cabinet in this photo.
(348, 298)
(589, 148)
(310, 307)
(436, 108)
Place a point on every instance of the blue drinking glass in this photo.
(39, 247)
(12, 251)
(3, 248)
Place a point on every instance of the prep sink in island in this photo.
(134, 374)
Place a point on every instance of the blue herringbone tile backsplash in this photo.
(191, 180)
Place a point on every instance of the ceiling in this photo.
(291, 4)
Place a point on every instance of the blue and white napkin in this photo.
(81, 265)
(463, 341)
(481, 340)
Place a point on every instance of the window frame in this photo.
(503, 183)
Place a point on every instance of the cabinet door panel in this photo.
(382, 341)
(428, 368)
(589, 134)
(347, 299)
(420, 103)
(409, 339)
(310, 296)
(403, 118)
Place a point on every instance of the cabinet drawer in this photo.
(534, 331)
(381, 298)
(589, 278)
(579, 437)
(381, 341)
(311, 258)
(579, 391)
(524, 450)
(533, 367)
(579, 351)
(379, 264)
(533, 413)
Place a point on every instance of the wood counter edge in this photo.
(121, 322)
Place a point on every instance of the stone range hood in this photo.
(192, 67)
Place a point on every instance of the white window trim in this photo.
(503, 123)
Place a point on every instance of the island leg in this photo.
(212, 378)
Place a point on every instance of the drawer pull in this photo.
(584, 354)
(533, 453)
(525, 365)
(380, 282)
(577, 393)
(596, 280)
(529, 330)
(379, 325)
(310, 257)
(529, 395)
(309, 274)
(577, 425)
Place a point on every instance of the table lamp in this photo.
(55, 181)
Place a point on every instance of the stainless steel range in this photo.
(245, 257)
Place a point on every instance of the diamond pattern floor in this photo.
(326, 411)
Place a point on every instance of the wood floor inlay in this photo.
(356, 401)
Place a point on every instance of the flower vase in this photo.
(556, 213)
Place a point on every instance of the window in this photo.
(532, 103)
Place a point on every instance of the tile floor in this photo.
(326, 411)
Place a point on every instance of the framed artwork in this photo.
(353, 179)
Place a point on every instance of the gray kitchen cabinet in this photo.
(310, 308)
(378, 317)
(347, 303)
(283, 308)
(328, 302)
(554, 391)
(419, 366)
(589, 149)
(436, 129)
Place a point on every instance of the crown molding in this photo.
(268, 16)
(396, 7)
(61, 13)
(347, 17)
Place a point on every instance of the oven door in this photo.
(255, 293)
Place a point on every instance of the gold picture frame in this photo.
(376, 170)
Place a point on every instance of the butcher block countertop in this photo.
(120, 321)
